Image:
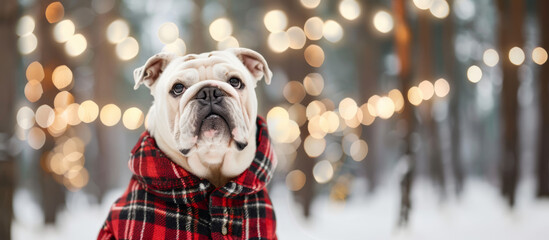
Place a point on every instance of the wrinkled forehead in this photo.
(219, 60)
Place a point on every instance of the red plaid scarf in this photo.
(164, 201)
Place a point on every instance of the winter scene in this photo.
(289, 119)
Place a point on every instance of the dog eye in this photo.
(177, 89)
(236, 83)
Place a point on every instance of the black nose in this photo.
(210, 94)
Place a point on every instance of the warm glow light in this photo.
(297, 113)
(33, 90)
(367, 117)
(35, 71)
(36, 138)
(397, 98)
(228, 42)
(423, 4)
(385, 107)
(276, 115)
(27, 44)
(295, 180)
(427, 89)
(25, 25)
(58, 126)
(297, 37)
(442, 88)
(55, 12)
(415, 96)
(516, 56)
(281, 128)
(110, 115)
(220, 29)
(62, 100)
(178, 47)
(132, 118)
(88, 111)
(44, 116)
(314, 55)
(347, 108)
(329, 122)
(315, 128)
(168, 32)
(71, 114)
(310, 3)
(76, 45)
(349, 9)
(490, 57)
(314, 146)
(372, 105)
(313, 28)
(117, 31)
(25, 118)
(63, 31)
(294, 92)
(314, 84)
(356, 120)
(278, 41)
(315, 108)
(323, 171)
(359, 150)
(62, 77)
(275, 21)
(440, 9)
(474, 73)
(539, 55)
(383, 21)
(127, 49)
(332, 31)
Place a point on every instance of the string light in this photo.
(110, 115)
(516, 56)
(415, 96)
(385, 107)
(427, 89)
(88, 111)
(442, 88)
(132, 118)
(397, 98)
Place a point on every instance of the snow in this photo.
(480, 214)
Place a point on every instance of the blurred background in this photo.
(402, 119)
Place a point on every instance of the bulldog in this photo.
(201, 167)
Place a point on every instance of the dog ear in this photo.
(254, 62)
(150, 72)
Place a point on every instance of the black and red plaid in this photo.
(164, 201)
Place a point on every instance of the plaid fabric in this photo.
(164, 201)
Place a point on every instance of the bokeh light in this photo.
(329, 122)
(323, 171)
(367, 117)
(127, 49)
(539, 55)
(474, 74)
(25, 118)
(314, 84)
(372, 104)
(25, 25)
(423, 4)
(315, 128)
(178, 47)
(117, 31)
(442, 87)
(88, 111)
(427, 89)
(347, 108)
(133, 118)
(359, 150)
(168, 32)
(310, 3)
(385, 107)
(315, 108)
(295, 180)
(383, 21)
(275, 21)
(33, 90)
(440, 9)
(228, 42)
(349, 9)
(63, 31)
(27, 43)
(110, 115)
(76, 45)
(36, 138)
(35, 71)
(220, 29)
(62, 77)
(313, 28)
(314, 55)
(516, 56)
(397, 98)
(294, 92)
(55, 12)
(44, 116)
(314, 147)
(490, 57)
(62, 100)
(71, 114)
(332, 31)
(415, 96)
(278, 41)
(297, 37)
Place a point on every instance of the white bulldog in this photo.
(204, 110)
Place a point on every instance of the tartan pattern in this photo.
(164, 201)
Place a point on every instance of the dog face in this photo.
(205, 106)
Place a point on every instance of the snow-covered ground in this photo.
(480, 214)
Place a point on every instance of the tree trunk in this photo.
(543, 144)
(403, 41)
(8, 67)
(510, 24)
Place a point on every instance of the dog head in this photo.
(204, 109)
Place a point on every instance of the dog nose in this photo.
(210, 94)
